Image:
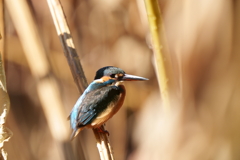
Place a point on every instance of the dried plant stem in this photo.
(64, 34)
(5, 133)
(2, 31)
(67, 44)
(155, 24)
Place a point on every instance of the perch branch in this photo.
(64, 34)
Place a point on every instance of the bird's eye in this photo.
(112, 75)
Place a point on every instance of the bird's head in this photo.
(115, 75)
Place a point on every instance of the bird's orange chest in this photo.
(111, 110)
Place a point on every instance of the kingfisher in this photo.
(101, 99)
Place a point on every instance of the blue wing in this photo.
(96, 102)
(93, 101)
(74, 113)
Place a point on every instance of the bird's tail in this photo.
(75, 133)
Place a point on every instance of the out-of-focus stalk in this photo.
(2, 31)
(5, 133)
(47, 88)
(155, 25)
(64, 34)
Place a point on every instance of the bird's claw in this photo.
(102, 130)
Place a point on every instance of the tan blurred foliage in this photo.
(202, 39)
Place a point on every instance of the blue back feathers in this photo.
(75, 111)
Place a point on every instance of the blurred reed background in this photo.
(202, 38)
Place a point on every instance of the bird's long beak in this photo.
(128, 77)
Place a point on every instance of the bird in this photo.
(102, 99)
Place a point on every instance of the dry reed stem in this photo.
(36, 56)
(64, 34)
(67, 44)
(5, 133)
(161, 60)
(2, 31)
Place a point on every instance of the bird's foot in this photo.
(102, 130)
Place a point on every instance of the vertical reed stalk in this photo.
(161, 60)
(64, 34)
(5, 133)
(2, 31)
